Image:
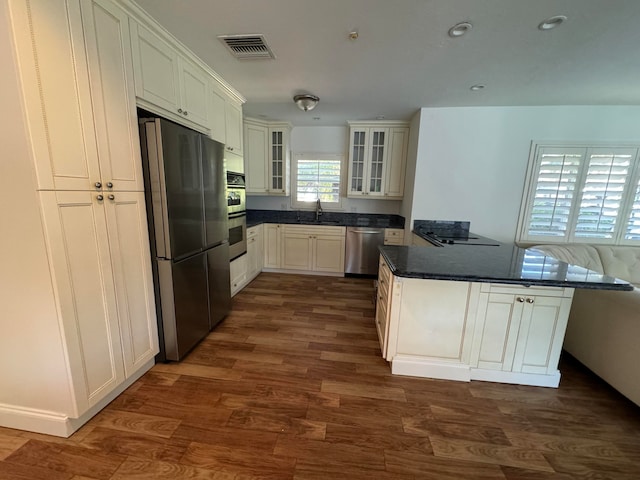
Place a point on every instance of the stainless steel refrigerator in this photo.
(185, 185)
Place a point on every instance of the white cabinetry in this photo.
(393, 236)
(267, 157)
(472, 331)
(247, 267)
(166, 79)
(255, 253)
(238, 274)
(377, 159)
(77, 91)
(520, 329)
(313, 248)
(100, 259)
(272, 245)
(233, 121)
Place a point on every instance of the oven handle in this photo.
(238, 214)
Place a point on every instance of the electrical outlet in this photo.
(354, 209)
(283, 206)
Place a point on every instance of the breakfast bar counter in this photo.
(465, 312)
(507, 264)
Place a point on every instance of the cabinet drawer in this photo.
(393, 236)
(314, 230)
(253, 231)
(527, 291)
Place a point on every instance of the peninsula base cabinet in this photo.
(472, 331)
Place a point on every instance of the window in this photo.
(582, 194)
(316, 176)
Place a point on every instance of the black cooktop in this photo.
(442, 233)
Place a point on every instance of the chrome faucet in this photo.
(318, 210)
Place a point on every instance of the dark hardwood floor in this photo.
(292, 386)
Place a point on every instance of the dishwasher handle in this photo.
(367, 232)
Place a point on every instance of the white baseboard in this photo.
(417, 367)
(60, 424)
(303, 272)
(422, 367)
(533, 379)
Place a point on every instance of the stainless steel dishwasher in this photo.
(362, 253)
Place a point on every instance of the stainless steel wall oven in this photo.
(237, 211)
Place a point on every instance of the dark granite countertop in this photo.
(502, 264)
(256, 217)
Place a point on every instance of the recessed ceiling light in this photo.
(460, 29)
(316, 118)
(380, 117)
(552, 22)
(353, 35)
(477, 88)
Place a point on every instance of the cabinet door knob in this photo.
(100, 198)
(529, 300)
(179, 110)
(109, 185)
(98, 185)
(111, 197)
(520, 299)
(185, 113)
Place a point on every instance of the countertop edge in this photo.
(624, 287)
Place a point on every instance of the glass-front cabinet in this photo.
(376, 164)
(267, 157)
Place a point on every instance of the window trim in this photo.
(299, 205)
(529, 187)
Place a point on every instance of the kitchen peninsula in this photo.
(477, 312)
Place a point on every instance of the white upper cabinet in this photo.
(267, 157)
(53, 71)
(217, 119)
(377, 159)
(106, 30)
(166, 79)
(233, 118)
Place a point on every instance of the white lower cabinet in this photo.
(238, 274)
(273, 245)
(254, 251)
(247, 267)
(393, 236)
(99, 254)
(313, 248)
(472, 331)
(521, 329)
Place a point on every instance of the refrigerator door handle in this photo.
(158, 188)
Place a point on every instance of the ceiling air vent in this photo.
(247, 47)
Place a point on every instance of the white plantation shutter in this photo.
(633, 224)
(582, 194)
(554, 191)
(602, 194)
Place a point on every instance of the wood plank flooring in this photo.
(292, 386)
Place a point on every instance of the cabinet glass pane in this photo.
(277, 160)
(377, 160)
(357, 162)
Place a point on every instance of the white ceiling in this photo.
(404, 59)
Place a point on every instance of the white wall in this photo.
(472, 161)
(324, 140)
(32, 372)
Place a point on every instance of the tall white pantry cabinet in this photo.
(80, 323)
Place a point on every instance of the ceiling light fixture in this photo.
(353, 35)
(552, 22)
(477, 88)
(459, 29)
(306, 101)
